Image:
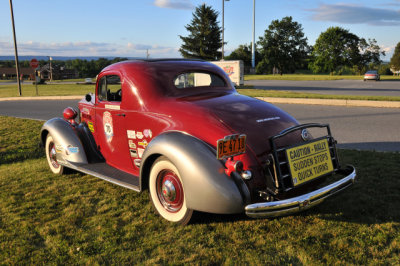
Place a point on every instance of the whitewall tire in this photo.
(51, 152)
(167, 192)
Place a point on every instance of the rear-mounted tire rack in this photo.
(281, 162)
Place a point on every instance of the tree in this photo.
(395, 60)
(283, 46)
(243, 52)
(337, 48)
(204, 38)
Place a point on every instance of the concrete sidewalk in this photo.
(333, 102)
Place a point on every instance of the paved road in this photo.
(336, 87)
(354, 127)
(39, 110)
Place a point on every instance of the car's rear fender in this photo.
(207, 187)
(67, 142)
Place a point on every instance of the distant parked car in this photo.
(88, 80)
(372, 74)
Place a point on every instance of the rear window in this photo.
(198, 79)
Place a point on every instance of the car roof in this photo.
(163, 71)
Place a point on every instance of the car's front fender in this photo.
(207, 187)
(66, 140)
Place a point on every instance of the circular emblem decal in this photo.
(108, 125)
(305, 135)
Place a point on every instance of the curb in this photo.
(333, 102)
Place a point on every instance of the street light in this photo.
(223, 5)
(253, 46)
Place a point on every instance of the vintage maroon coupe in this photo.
(179, 128)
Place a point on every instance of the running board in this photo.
(107, 173)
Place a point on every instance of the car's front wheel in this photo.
(51, 155)
(167, 192)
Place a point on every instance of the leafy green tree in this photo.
(337, 48)
(334, 48)
(204, 40)
(283, 46)
(243, 52)
(395, 60)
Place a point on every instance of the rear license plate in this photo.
(309, 161)
(231, 146)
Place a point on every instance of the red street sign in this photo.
(34, 63)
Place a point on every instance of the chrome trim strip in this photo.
(300, 203)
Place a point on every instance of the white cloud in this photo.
(88, 49)
(174, 4)
(355, 14)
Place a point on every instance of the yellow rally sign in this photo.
(309, 161)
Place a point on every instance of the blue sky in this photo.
(130, 27)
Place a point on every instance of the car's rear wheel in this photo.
(167, 192)
(51, 155)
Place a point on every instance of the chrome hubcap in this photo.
(170, 190)
(53, 155)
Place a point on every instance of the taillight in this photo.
(236, 166)
(70, 114)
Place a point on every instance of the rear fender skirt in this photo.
(207, 187)
(66, 140)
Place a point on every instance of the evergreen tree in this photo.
(204, 40)
(395, 60)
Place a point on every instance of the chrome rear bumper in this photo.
(303, 202)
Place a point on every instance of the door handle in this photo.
(122, 114)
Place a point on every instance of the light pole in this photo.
(223, 7)
(15, 49)
(253, 46)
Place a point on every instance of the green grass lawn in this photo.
(79, 219)
(312, 77)
(249, 91)
(46, 90)
(82, 89)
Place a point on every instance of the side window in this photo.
(110, 89)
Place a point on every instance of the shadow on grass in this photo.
(373, 199)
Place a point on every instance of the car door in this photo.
(111, 122)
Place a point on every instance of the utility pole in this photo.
(223, 7)
(253, 46)
(16, 50)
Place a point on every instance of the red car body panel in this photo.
(151, 103)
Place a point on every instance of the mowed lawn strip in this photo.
(79, 219)
(82, 89)
(249, 91)
(313, 77)
(29, 90)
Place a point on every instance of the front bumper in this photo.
(303, 202)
